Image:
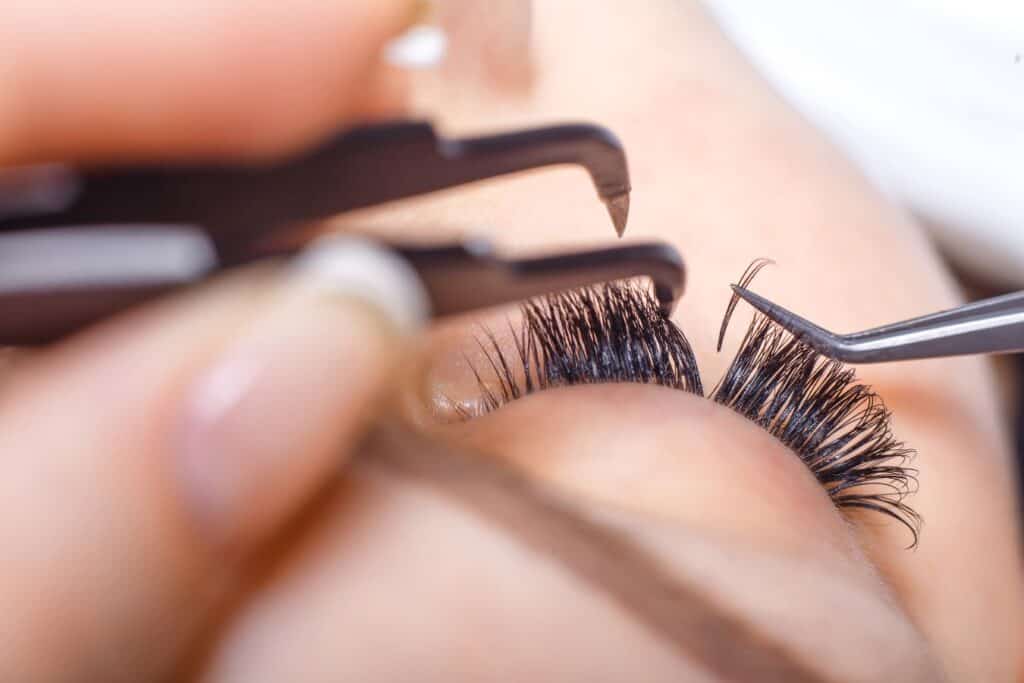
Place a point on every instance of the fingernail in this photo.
(277, 412)
(422, 46)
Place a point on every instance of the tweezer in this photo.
(993, 325)
(365, 166)
(54, 282)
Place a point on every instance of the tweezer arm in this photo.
(999, 305)
(54, 282)
(989, 326)
(236, 204)
(469, 276)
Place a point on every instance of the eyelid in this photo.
(669, 454)
(837, 426)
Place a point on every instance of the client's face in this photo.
(808, 565)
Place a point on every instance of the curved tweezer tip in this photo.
(467, 276)
(618, 209)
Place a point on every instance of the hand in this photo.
(146, 457)
(186, 79)
(684, 543)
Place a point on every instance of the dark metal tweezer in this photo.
(237, 204)
(54, 282)
(76, 246)
(993, 325)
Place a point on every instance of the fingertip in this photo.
(281, 407)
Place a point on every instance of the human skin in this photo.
(113, 553)
(110, 574)
(726, 172)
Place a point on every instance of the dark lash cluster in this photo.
(839, 427)
(609, 333)
(616, 333)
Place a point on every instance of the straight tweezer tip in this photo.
(801, 328)
(771, 310)
(618, 209)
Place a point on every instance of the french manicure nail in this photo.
(421, 47)
(278, 410)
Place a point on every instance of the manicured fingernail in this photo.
(424, 44)
(277, 413)
(421, 47)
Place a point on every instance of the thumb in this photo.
(138, 458)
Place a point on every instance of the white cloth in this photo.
(927, 96)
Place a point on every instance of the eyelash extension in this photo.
(608, 333)
(748, 276)
(838, 426)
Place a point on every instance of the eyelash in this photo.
(838, 426)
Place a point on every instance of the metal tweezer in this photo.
(993, 325)
(79, 245)
(54, 282)
(361, 167)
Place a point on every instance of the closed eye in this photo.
(838, 427)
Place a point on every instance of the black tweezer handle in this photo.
(236, 204)
(54, 282)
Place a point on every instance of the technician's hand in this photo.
(145, 459)
(192, 78)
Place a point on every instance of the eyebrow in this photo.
(601, 556)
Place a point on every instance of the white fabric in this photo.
(927, 96)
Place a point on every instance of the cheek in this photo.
(669, 454)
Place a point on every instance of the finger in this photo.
(572, 584)
(142, 459)
(490, 42)
(394, 582)
(227, 77)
